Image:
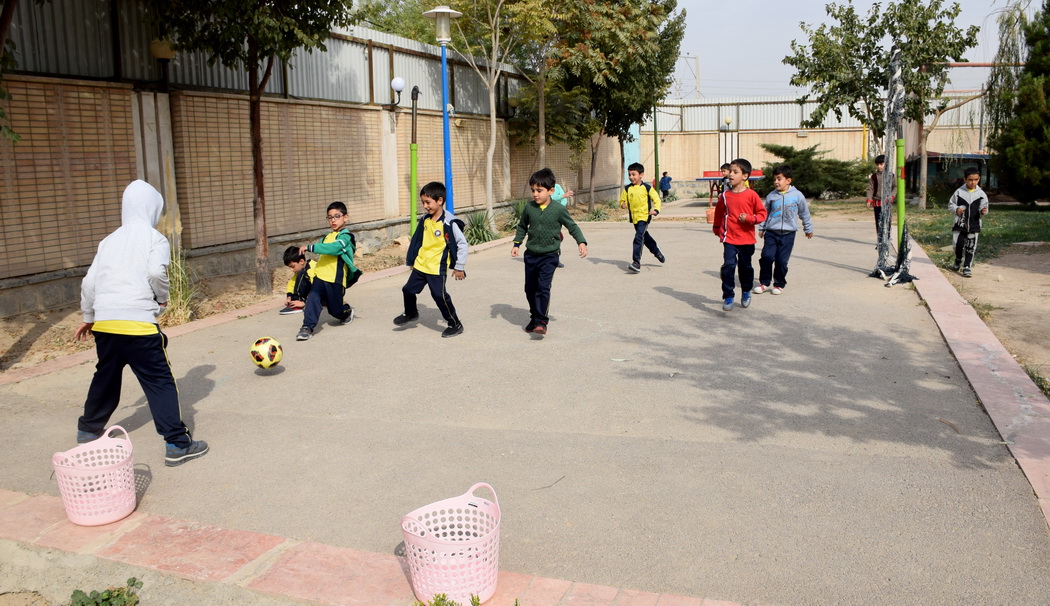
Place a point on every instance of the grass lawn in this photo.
(1002, 226)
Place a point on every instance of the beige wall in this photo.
(61, 185)
(687, 155)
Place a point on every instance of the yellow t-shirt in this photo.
(327, 265)
(125, 327)
(428, 260)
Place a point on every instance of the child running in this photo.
(738, 210)
(785, 205)
(541, 224)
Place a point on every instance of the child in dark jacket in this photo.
(785, 205)
(437, 244)
(298, 288)
(541, 222)
(738, 210)
(968, 204)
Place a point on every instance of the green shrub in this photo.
(443, 600)
(513, 216)
(598, 214)
(814, 175)
(114, 596)
(479, 228)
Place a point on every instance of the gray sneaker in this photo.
(634, 267)
(304, 334)
(174, 455)
(967, 273)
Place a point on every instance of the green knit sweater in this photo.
(543, 227)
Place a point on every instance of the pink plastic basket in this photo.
(453, 547)
(97, 480)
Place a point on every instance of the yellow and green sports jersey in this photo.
(428, 260)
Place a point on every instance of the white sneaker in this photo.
(777, 290)
(761, 288)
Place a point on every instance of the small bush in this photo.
(598, 214)
(182, 291)
(814, 174)
(114, 596)
(443, 600)
(479, 229)
(513, 217)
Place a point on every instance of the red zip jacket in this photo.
(728, 227)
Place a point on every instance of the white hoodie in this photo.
(129, 277)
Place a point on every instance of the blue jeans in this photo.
(734, 256)
(641, 236)
(773, 264)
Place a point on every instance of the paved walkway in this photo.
(822, 446)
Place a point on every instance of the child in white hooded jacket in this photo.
(123, 293)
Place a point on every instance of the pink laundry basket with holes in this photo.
(453, 547)
(97, 480)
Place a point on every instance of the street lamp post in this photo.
(443, 16)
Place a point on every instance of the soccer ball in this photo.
(266, 352)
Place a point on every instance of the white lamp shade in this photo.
(443, 16)
(397, 84)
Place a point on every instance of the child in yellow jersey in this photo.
(334, 272)
(437, 245)
(644, 205)
(121, 297)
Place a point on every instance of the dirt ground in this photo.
(1012, 293)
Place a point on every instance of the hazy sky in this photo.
(740, 45)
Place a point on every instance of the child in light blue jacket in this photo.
(785, 205)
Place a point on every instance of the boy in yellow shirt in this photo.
(437, 245)
(334, 272)
(644, 204)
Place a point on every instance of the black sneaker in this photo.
(452, 331)
(634, 267)
(304, 334)
(967, 273)
(956, 266)
(531, 326)
(541, 328)
(405, 319)
(348, 318)
(174, 455)
(287, 311)
(660, 257)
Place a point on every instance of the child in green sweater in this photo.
(542, 223)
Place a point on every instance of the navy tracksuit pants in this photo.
(325, 294)
(539, 273)
(773, 264)
(416, 281)
(734, 256)
(148, 358)
(641, 236)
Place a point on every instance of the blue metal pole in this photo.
(449, 206)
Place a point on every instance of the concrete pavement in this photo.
(822, 446)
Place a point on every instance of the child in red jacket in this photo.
(738, 210)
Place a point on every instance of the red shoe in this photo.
(541, 328)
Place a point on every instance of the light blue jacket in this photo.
(784, 209)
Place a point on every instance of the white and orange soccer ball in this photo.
(266, 352)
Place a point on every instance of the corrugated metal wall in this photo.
(75, 38)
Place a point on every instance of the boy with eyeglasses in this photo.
(334, 272)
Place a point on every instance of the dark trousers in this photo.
(641, 236)
(965, 247)
(301, 287)
(324, 294)
(539, 273)
(416, 281)
(149, 361)
(773, 264)
(734, 256)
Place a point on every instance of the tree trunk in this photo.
(263, 279)
(923, 135)
(490, 157)
(6, 16)
(594, 156)
(541, 103)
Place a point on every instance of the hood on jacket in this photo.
(142, 203)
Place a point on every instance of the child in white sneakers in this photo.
(785, 205)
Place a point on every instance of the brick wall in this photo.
(607, 174)
(61, 186)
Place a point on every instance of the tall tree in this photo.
(255, 34)
(623, 53)
(1001, 99)
(845, 63)
(1022, 145)
(492, 29)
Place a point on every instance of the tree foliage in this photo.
(399, 17)
(1006, 70)
(622, 52)
(845, 63)
(814, 174)
(248, 33)
(1022, 146)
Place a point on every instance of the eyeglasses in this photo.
(334, 217)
